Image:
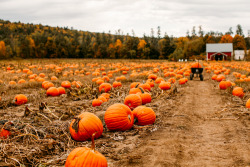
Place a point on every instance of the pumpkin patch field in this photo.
(138, 113)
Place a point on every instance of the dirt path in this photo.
(194, 135)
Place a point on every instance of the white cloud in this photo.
(174, 17)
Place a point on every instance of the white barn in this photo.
(239, 54)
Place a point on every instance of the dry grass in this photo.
(41, 137)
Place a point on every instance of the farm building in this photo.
(239, 54)
(219, 51)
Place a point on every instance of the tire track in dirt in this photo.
(195, 137)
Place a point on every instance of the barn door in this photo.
(218, 57)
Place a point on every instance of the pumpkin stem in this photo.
(75, 125)
(129, 117)
(135, 120)
(93, 142)
(141, 90)
(137, 85)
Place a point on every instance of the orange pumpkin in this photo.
(220, 78)
(52, 91)
(105, 78)
(25, 70)
(117, 84)
(61, 90)
(124, 72)
(196, 65)
(152, 76)
(223, 85)
(134, 84)
(145, 86)
(164, 85)
(21, 81)
(159, 80)
(171, 80)
(214, 77)
(20, 99)
(229, 84)
(42, 75)
(110, 76)
(32, 76)
(44, 82)
(145, 97)
(123, 78)
(47, 85)
(96, 102)
(66, 84)
(39, 79)
(95, 79)
(106, 95)
(144, 115)
(132, 101)
(238, 91)
(134, 90)
(150, 82)
(53, 78)
(106, 86)
(118, 117)
(4, 133)
(102, 98)
(99, 81)
(84, 126)
(86, 157)
(182, 81)
(12, 83)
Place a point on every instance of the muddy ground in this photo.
(197, 125)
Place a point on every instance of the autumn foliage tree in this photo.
(141, 48)
(2, 49)
(19, 40)
(118, 48)
(239, 42)
(226, 39)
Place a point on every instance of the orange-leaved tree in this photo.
(118, 46)
(226, 39)
(141, 48)
(2, 49)
(239, 42)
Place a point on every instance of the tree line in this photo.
(19, 40)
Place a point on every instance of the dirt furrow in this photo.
(194, 136)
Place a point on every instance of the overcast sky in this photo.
(174, 17)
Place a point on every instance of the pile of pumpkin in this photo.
(86, 126)
(118, 117)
